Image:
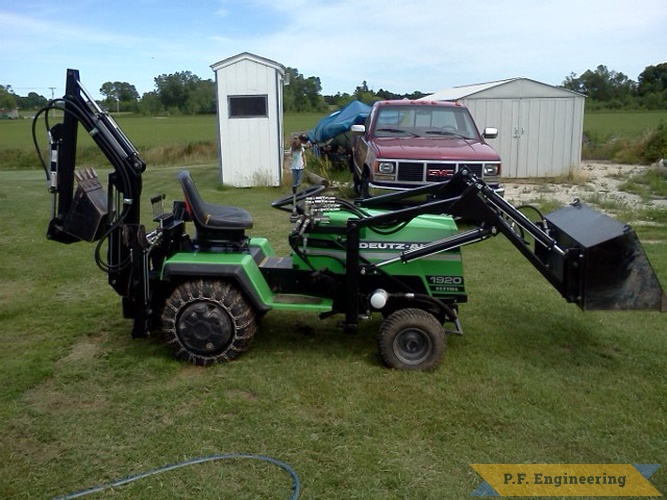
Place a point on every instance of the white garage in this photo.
(249, 91)
(540, 126)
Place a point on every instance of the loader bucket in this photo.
(604, 266)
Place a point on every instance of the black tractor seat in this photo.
(217, 225)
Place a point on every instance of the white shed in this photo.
(540, 126)
(249, 91)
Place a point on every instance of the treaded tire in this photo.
(207, 321)
(411, 339)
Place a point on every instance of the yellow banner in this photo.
(520, 480)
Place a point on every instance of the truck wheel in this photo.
(361, 185)
(411, 339)
(356, 183)
(206, 321)
(364, 189)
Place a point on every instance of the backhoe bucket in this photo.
(604, 266)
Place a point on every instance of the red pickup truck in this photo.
(405, 144)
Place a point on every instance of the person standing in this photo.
(298, 154)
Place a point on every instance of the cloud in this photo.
(433, 43)
(426, 45)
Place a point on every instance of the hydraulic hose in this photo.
(296, 485)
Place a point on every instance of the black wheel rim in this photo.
(412, 346)
(204, 327)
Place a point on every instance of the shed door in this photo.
(518, 148)
(538, 137)
(544, 137)
(512, 142)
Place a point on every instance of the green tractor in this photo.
(398, 255)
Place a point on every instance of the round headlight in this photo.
(491, 169)
(386, 167)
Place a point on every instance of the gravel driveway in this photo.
(595, 181)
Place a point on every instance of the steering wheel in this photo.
(285, 203)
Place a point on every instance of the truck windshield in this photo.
(423, 121)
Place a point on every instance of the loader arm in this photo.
(590, 258)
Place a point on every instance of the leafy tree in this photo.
(573, 82)
(387, 95)
(120, 96)
(417, 94)
(364, 94)
(32, 101)
(339, 100)
(174, 89)
(368, 96)
(201, 98)
(7, 98)
(603, 86)
(150, 104)
(302, 94)
(652, 86)
(653, 79)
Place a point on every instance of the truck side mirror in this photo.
(490, 133)
(358, 129)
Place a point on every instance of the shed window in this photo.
(247, 106)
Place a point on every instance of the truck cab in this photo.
(406, 144)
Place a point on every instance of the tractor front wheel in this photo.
(206, 321)
(411, 339)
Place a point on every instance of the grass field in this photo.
(172, 140)
(151, 131)
(148, 131)
(191, 140)
(534, 380)
(627, 124)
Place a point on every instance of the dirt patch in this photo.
(595, 183)
(83, 351)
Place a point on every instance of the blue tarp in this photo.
(339, 122)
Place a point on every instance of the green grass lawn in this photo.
(533, 380)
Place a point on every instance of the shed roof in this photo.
(510, 88)
(249, 56)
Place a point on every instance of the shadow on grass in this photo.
(281, 335)
(287, 334)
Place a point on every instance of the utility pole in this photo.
(52, 94)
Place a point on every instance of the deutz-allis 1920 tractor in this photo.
(398, 255)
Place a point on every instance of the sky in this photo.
(400, 46)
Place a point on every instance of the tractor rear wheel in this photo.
(411, 339)
(207, 321)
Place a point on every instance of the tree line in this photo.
(10, 101)
(608, 89)
(186, 93)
